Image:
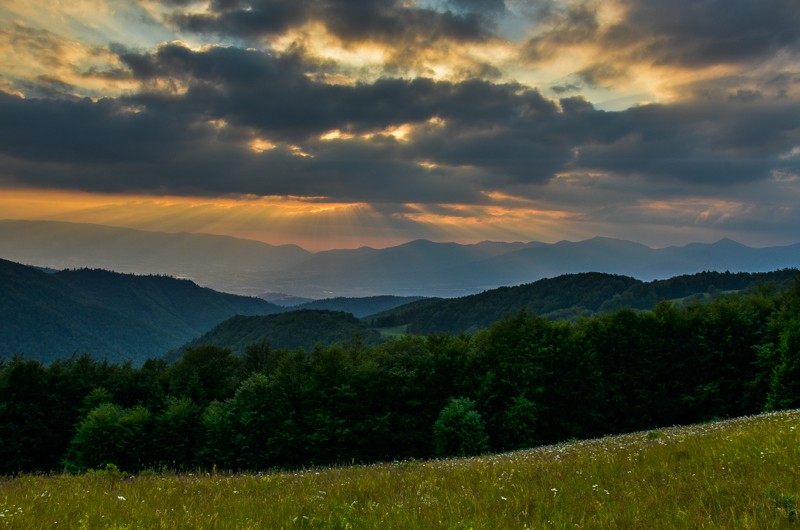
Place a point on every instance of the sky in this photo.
(342, 123)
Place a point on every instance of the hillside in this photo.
(732, 474)
(119, 316)
(565, 297)
(302, 329)
(522, 382)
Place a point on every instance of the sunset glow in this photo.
(330, 124)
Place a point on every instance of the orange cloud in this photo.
(56, 64)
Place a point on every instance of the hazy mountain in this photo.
(448, 269)
(417, 268)
(615, 256)
(220, 262)
(285, 300)
(118, 316)
(420, 267)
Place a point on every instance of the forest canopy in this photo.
(521, 382)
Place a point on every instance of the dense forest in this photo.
(303, 329)
(522, 381)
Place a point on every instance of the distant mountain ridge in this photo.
(106, 314)
(417, 268)
(223, 263)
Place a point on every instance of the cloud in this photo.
(406, 37)
(698, 34)
(396, 103)
(387, 21)
(696, 144)
(192, 126)
(639, 44)
(566, 26)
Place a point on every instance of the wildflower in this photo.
(120, 497)
(555, 491)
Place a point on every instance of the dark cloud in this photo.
(391, 22)
(698, 34)
(464, 138)
(566, 87)
(601, 74)
(745, 95)
(273, 94)
(696, 144)
(243, 19)
(566, 26)
(477, 6)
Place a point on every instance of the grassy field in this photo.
(742, 473)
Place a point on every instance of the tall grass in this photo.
(742, 473)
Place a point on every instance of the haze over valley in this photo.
(417, 268)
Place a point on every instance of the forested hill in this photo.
(567, 297)
(109, 315)
(522, 382)
(302, 329)
(360, 307)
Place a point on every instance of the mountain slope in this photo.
(575, 293)
(566, 297)
(294, 329)
(118, 316)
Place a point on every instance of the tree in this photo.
(97, 438)
(519, 428)
(784, 391)
(205, 373)
(460, 430)
(216, 427)
(28, 439)
(176, 433)
(253, 418)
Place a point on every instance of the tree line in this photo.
(521, 382)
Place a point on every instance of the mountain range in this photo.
(121, 317)
(417, 268)
(48, 315)
(565, 297)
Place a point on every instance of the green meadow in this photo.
(741, 473)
